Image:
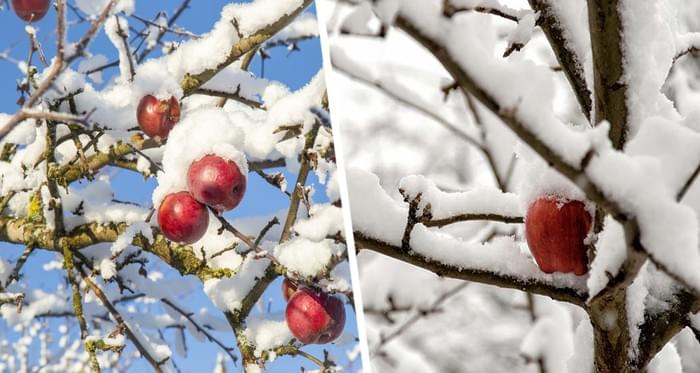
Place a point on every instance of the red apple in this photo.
(182, 219)
(555, 230)
(157, 117)
(31, 10)
(216, 182)
(288, 289)
(314, 316)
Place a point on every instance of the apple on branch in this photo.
(314, 316)
(30, 10)
(157, 117)
(216, 182)
(182, 219)
(555, 230)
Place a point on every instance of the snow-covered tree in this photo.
(89, 281)
(457, 115)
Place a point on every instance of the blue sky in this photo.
(261, 199)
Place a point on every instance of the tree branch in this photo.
(448, 270)
(609, 87)
(191, 82)
(571, 63)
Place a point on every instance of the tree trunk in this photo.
(611, 337)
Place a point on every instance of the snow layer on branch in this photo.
(666, 361)
(530, 90)
(674, 146)
(95, 202)
(326, 220)
(207, 52)
(649, 46)
(228, 293)
(610, 254)
(636, 294)
(523, 32)
(375, 214)
(501, 256)
(5, 271)
(581, 360)
(304, 26)
(267, 333)
(339, 279)
(307, 257)
(477, 200)
(285, 109)
(373, 211)
(668, 230)
(114, 26)
(254, 16)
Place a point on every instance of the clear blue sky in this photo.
(294, 70)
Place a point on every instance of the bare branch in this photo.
(401, 98)
(120, 321)
(199, 328)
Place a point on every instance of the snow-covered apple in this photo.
(555, 230)
(314, 316)
(30, 10)
(288, 289)
(216, 182)
(157, 117)
(182, 219)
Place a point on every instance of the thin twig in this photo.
(199, 328)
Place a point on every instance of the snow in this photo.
(228, 293)
(303, 26)
(668, 230)
(674, 146)
(636, 294)
(550, 338)
(90, 63)
(582, 359)
(326, 220)
(523, 32)
(306, 257)
(610, 254)
(5, 271)
(267, 333)
(666, 361)
(477, 200)
(366, 199)
(117, 29)
(95, 7)
(649, 46)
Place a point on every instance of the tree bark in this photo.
(608, 73)
(611, 336)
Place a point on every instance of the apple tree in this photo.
(156, 192)
(540, 157)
